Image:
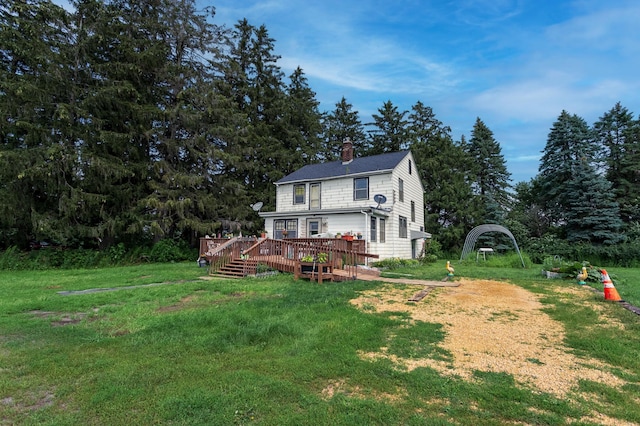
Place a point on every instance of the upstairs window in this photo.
(403, 227)
(413, 211)
(361, 189)
(409, 166)
(299, 194)
(401, 190)
(314, 196)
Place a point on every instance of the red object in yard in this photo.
(347, 237)
(610, 292)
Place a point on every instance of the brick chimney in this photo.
(347, 151)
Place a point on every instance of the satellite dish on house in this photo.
(380, 199)
(257, 206)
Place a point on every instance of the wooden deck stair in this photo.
(238, 268)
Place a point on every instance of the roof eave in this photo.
(350, 175)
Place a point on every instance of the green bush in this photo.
(171, 251)
(11, 259)
(60, 258)
(625, 254)
(508, 260)
(395, 263)
(432, 252)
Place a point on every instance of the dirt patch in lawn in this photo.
(494, 327)
(60, 319)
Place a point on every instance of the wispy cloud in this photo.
(515, 63)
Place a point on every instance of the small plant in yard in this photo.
(262, 268)
(395, 263)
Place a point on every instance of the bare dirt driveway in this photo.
(495, 327)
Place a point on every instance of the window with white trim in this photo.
(299, 193)
(402, 227)
(314, 196)
(374, 228)
(361, 189)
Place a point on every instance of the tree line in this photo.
(137, 121)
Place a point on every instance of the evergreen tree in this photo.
(341, 124)
(526, 211)
(38, 151)
(578, 200)
(450, 206)
(491, 178)
(569, 141)
(253, 80)
(627, 184)
(302, 124)
(136, 60)
(593, 215)
(177, 202)
(610, 133)
(617, 133)
(390, 130)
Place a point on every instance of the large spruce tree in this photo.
(577, 199)
(252, 78)
(489, 169)
(302, 125)
(339, 125)
(389, 130)
(593, 215)
(569, 140)
(617, 134)
(40, 126)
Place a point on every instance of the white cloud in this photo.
(515, 63)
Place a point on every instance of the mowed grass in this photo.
(272, 352)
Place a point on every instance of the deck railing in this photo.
(285, 254)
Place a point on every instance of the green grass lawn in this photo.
(262, 351)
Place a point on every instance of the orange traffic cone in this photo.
(610, 292)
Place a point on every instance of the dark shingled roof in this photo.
(334, 169)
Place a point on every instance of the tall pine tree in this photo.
(617, 135)
(593, 215)
(578, 200)
(389, 133)
(489, 169)
(40, 135)
(339, 125)
(568, 142)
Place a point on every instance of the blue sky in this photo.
(516, 64)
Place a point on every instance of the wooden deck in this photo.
(241, 257)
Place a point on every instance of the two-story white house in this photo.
(380, 197)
